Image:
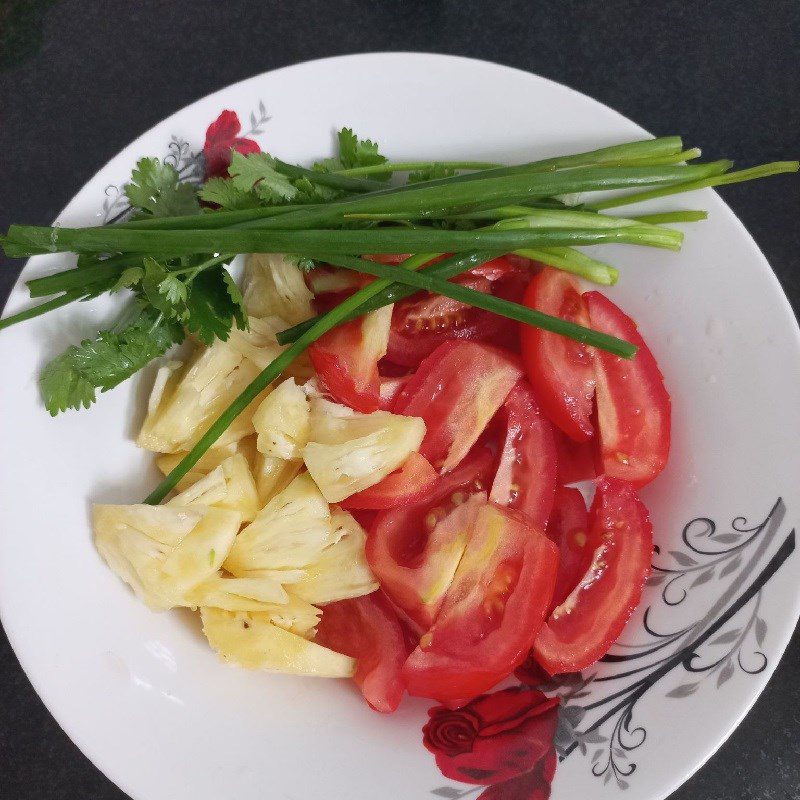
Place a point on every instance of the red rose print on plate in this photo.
(503, 740)
(222, 136)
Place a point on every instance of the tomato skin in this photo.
(620, 539)
(367, 629)
(560, 370)
(346, 360)
(390, 388)
(410, 557)
(457, 390)
(423, 322)
(491, 613)
(633, 406)
(526, 472)
(568, 528)
(410, 484)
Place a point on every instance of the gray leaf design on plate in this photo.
(684, 690)
(731, 566)
(727, 637)
(682, 558)
(761, 631)
(726, 673)
(703, 577)
(447, 791)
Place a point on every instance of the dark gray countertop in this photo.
(79, 79)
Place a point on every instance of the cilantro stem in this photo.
(313, 243)
(752, 173)
(37, 311)
(487, 302)
(270, 373)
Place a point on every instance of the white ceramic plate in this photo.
(146, 699)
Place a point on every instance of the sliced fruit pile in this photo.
(396, 508)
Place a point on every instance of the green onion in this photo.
(753, 173)
(37, 311)
(575, 262)
(672, 216)
(447, 268)
(413, 166)
(488, 302)
(312, 243)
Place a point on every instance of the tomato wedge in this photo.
(584, 626)
(457, 390)
(633, 406)
(411, 483)
(526, 472)
(491, 613)
(346, 360)
(390, 387)
(410, 550)
(577, 461)
(568, 528)
(560, 369)
(367, 629)
(424, 321)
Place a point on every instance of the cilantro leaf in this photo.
(173, 289)
(228, 197)
(72, 379)
(355, 152)
(155, 188)
(129, 278)
(256, 172)
(431, 173)
(214, 302)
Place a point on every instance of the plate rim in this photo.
(791, 345)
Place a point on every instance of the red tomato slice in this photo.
(620, 538)
(577, 461)
(568, 528)
(633, 406)
(457, 390)
(491, 613)
(413, 554)
(410, 484)
(526, 472)
(560, 370)
(367, 629)
(346, 360)
(424, 321)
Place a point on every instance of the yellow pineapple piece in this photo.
(289, 533)
(162, 552)
(230, 485)
(283, 422)
(349, 452)
(275, 286)
(253, 641)
(341, 571)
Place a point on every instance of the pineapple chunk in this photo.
(259, 343)
(162, 552)
(211, 459)
(283, 422)
(239, 594)
(272, 475)
(251, 640)
(289, 533)
(349, 452)
(230, 485)
(274, 286)
(341, 571)
(193, 398)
